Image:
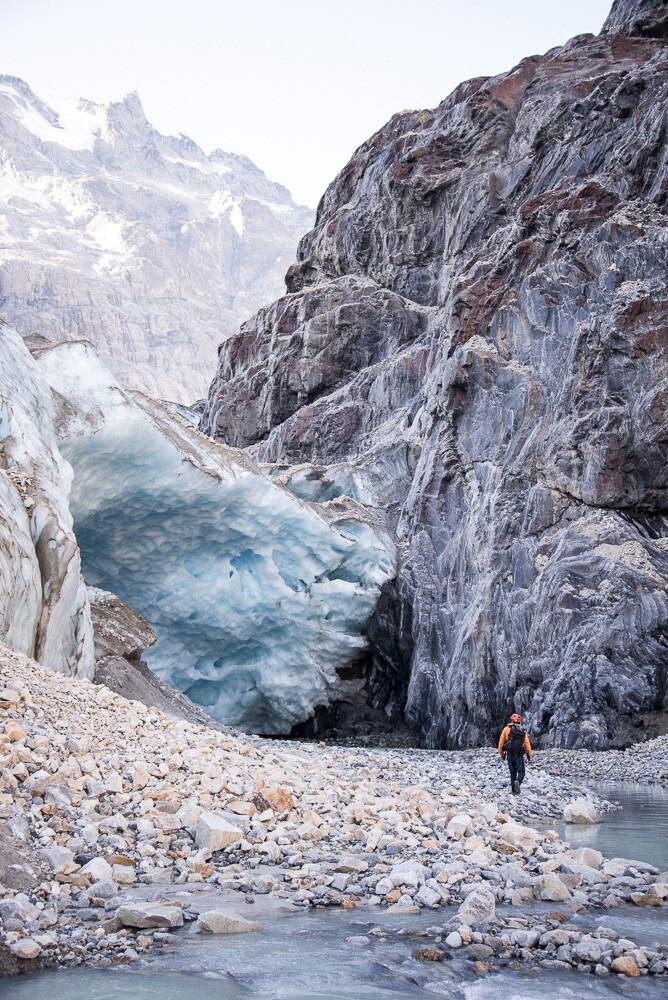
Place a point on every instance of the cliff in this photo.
(474, 341)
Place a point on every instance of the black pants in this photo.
(516, 767)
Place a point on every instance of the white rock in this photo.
(428, 897)
(140, 777)
(478, 908)
(223, 922)
(459, 825)
(453, 940)
(587, 856)
(213, 833)
(550, 888)
(113, 782)
(519, 836)
(188, 815)
(60, 859)
(124, 874)
(581, 811)
(99, 870)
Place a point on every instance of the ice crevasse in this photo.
(258, 597)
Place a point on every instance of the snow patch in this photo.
(77, 128)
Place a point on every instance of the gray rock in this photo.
(147, 915)
(444, 354)
(223, 922)
(478, 908)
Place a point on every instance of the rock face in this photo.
(474, 341)
(134, 240)
(121, 635)
(44, 610)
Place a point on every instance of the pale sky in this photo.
(295, 85)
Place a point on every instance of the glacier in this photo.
(259, 599)
(44, 609)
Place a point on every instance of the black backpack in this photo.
(516, 738)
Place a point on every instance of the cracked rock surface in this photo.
(474, 341)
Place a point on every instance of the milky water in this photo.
(639, 830)
(309, 956)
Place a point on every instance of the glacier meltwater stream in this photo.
(322, 955)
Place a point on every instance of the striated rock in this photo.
(473, 343)
(135, 240)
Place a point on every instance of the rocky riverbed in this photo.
(122, 824)
(644, 763)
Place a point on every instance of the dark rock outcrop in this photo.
(477, 331)
(121, 637)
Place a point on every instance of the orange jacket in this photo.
(503, 739)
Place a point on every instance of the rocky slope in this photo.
(474, 341)
(134, 240)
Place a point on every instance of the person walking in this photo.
(514, 744)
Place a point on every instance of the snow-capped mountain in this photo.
(134, 240)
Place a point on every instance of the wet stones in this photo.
(148, 915)
(224, 922)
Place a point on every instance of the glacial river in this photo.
(306, 956)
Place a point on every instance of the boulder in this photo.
(581, 811)
(241, 807)
(99, 870)
(551, 889)
(519, 836)
(591, 949)
(587, 856)
(214, 833)
(479, 907)
(25, 948)
(60, 859)
(147, 915)
(223, 922)
(14, 732)
(459, 825)
(276, 798)
(625, 965)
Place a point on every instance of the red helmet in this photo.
(515, 717)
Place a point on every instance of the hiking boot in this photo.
(516, 788)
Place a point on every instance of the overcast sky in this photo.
(294, 84)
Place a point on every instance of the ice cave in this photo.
(257, 596)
